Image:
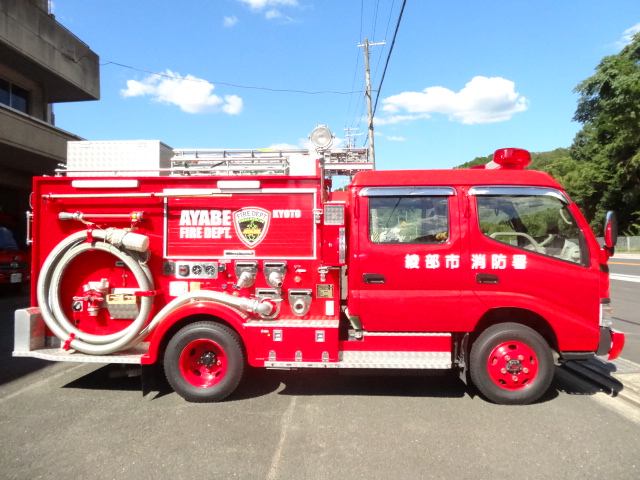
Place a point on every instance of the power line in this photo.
(353, 86)
(176, 77)
(395, 34)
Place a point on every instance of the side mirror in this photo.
(610, 231)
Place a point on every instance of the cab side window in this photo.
(408, 219)
(542, 224)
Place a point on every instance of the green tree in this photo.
(605, 174)
(476, 161)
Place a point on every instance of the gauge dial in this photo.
(210, 270)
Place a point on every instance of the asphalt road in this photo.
(625, 297)
(75, 421)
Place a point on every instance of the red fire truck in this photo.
(201, 262)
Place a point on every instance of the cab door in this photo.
(529, 252)
(408, 266)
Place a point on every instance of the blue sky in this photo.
(465, 77)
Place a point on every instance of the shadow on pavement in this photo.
(12, 368)
(259, 382)
(587, 377)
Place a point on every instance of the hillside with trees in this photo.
(601, 169)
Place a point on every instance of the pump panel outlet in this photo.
(300, 301)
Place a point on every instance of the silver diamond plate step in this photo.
(408, 360)
(131, 356)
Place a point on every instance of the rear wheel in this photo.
(204, 362)
(511, 364)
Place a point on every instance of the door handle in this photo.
(487, 278)
(373, 278)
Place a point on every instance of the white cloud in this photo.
(233, 105)
(627, 36)
(262, 4)
(389, 137)
(272, 8)
(230, 21)
(191, 94)
(398, 119)
(482, 100)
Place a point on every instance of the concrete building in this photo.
(41, 63)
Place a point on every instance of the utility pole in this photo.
(366, 46)
(351, 143)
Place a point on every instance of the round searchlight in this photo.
(321, 137)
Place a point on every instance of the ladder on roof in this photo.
(232, 162)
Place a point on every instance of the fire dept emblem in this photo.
(251, 224)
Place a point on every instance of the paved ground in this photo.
(74, 421)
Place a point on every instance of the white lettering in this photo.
(478, 261)
(519, 262)
(452, 261)
(184, 218)
(204, 218)
(498, 261)
(216, 217)
(412, 261)
(432, 261)
(287, 214)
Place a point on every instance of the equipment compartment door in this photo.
(409, 266)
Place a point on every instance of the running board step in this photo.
(131, 356)
(400, 360)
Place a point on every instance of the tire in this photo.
(204, 362)
(511, 364)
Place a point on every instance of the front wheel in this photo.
(511, 364)
(204, 362)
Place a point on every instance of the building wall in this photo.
(41, 56)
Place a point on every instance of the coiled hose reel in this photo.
(126, 247)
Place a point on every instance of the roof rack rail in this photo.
(232, 162)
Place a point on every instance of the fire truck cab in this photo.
(215, 260)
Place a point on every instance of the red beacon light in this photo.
(512, 158)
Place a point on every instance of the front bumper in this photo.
(611, 343)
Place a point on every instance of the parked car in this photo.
(14, 262)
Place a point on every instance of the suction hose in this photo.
(124, 246)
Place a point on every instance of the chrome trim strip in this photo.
(406, 191)
(518, 190)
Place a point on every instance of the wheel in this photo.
(204, 362)
(511, 364)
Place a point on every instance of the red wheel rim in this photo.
(203, 363)
(513, 365)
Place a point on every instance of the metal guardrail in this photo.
(625, 244)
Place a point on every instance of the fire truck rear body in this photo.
(407, 269)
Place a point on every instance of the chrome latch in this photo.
(323, 271)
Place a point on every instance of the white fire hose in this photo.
(124, 246)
